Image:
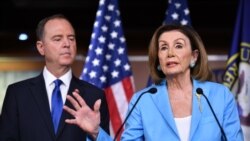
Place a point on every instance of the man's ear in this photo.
(40, 47)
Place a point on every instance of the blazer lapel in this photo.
(162, 102)
(196, 112)
(38, 91)
(196, 115)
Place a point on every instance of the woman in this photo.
(178, 66)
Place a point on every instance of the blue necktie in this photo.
(57, 104)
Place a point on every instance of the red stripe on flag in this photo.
(115, 118)
(128, 87)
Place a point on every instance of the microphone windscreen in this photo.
(199, 91)
(152, 90)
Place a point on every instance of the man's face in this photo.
(58, 44)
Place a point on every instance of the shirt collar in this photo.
(49, 77)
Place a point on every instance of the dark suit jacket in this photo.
(26, 114)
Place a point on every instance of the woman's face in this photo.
(175, 53)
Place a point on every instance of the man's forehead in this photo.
(58, 26)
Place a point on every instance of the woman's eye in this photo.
(163, 47)
(179, 46)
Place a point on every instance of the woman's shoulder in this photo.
(210, 87)
(147, 90)
(144, 90)
(211, 84)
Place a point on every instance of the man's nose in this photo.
(66, 42)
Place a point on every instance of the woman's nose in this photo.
(170, 52)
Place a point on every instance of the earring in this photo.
(159, 68)
(192, 64)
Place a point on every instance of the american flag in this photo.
(107, 65)
(177, 13)
(237, 75)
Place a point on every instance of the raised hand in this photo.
(86, 118)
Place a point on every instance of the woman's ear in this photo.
(40, 47)
(194, 58)
(195, 55)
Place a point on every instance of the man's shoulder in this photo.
(87, 85)
(26, 81)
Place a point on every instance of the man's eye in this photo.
(72, 38)
(57, 39)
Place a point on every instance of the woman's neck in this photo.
(180, 95)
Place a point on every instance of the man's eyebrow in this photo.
(54, 36)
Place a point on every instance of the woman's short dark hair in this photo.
(201, 71)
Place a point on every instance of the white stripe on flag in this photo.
(133, 82)
(120, 99)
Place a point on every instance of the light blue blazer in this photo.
(153, 120)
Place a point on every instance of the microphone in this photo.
(200, 92)
(151, 91)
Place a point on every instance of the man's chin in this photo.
(67, 62)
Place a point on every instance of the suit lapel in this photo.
(73, 85)
(162, 102)
(38, 91)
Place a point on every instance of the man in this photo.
(32, 109)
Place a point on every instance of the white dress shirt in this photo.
(50, 85)
(183, 127)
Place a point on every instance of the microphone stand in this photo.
(152, 91)
(200, 91)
